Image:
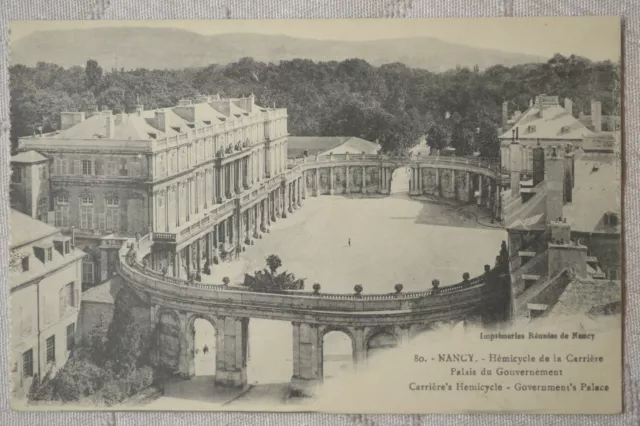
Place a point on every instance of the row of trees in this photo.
(392, 103)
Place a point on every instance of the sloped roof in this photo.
(24, 229)
(28, 157)
(582, 296)
(126, 127)
(549, 125)
(296, 145)
(355, 145)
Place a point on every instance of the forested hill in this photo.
(393, 103)
(165, 48)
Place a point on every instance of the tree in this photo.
(437, 137)
(273, 263)
(93, 73)
(125, 339)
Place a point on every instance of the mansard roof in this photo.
(126, 127)
(547, 121)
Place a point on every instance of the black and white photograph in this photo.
(348, 216)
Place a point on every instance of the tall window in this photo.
(62, 211)
(16, 175)
(161, 165)
(43, 171)
(71, 336)
(183, 159)
(172, 162)
(25, 263)
(87, 168)
(66, 299)
(27, 363)
(43, 208)
(183, 202)
(86, 212)
(87, 271)
(49, 254)
(192, 196)
(161, 212)
(113, 214)
(51, 349)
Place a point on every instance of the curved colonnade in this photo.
(175, 303)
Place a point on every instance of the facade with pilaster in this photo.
(163, 171)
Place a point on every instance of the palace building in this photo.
(108, 176)
(44, 278)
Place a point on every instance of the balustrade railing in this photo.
(132, 265)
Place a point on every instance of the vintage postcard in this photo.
(347, 216)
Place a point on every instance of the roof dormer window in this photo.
(25, 263)
(565, 129)
(152, 135)
(207, 122)
(191, 125)
(176, 129)
(531, 129)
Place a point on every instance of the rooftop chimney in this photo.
(596, 116)
(554, 182)
(162, 123)
(568, 106)
(70, 119)
(564, 253)
(515, 167)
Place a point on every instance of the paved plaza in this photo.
(394, 239)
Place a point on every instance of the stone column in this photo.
(438, 183)
(198, 256)
(231, 351)
(453, 184)
(364, 180)
(468, 188)
(316, 188)
(104, 262)
(479, 200)
(302, 186)
(177, 264)
(307, 358)
(187, 251)
(331, 184)
(360, 351)
(347, 188)
(186, 363)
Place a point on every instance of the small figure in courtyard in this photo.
(197, 351)
(349, 242)
(207, 268)
(205, 350)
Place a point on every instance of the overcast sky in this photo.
(597, 38)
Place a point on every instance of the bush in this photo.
(78, 378)
(139, 380)
(114, 392)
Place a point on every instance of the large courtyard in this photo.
(394, 239)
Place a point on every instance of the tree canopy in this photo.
(393, 104)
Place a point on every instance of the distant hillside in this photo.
(160, 48)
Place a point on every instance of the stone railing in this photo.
(490, 164)
(211, 216)
(133, 269)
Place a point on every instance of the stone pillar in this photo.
(187, 251)
(468, 188)
(231, 351)
(364, 180)
(347, 188)
(316, 188)
(479, 200)
(177, 264)
(360, 351)
(198, 256)
(438, 183)
(453, 184)
(307, 358)
(331, 185)
(186, 363)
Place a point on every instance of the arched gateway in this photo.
(371, 322)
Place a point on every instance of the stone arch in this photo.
(381, 338)
(401, 177)
(203, 364)
(339, 329)
(168, 339)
